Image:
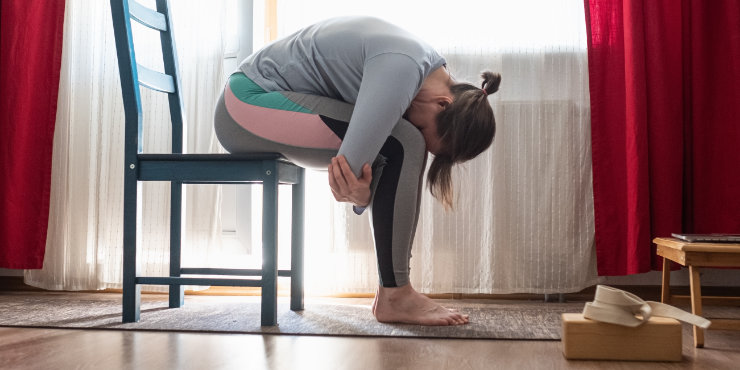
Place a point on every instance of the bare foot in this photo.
(406, 305)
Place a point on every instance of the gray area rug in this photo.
(530, 320)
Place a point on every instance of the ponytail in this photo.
(491, 81)
(466, 128)
(439, 180)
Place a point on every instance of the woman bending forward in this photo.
(368, 100)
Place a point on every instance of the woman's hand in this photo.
(345, 186)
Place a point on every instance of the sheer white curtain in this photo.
(523, 221)
(84, 244)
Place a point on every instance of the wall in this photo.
(709, 277)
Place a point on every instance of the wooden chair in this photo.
(269, 169)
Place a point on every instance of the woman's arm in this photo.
(346, 187)
(389, 83)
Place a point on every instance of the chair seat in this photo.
(216, 168)
(212, 157)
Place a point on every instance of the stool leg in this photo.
(696, 304)
(665, 295)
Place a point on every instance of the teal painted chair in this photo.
(268, 169)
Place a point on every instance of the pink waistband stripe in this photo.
(290, 128)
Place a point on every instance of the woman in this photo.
(369, 100)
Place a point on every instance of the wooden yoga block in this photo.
(659, 339)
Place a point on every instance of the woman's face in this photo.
(431, 138)
(433, 97)
(424, 117)
(423, 112)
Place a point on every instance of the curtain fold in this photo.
(665, 81)
(84, 248)
(712, 48)
(30, 59)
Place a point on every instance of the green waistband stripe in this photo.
(249, 92)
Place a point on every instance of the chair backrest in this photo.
(134, 75)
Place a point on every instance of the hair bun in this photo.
(491, 81)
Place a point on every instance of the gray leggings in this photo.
(397, 174)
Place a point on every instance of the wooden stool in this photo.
(696, 255)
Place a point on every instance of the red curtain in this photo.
(664, 78)
(30, 60)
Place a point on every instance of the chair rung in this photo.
(198, 281)
(148, 17)
(155, 80)
(234, 272)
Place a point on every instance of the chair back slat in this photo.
(129, 80)
(155, 80)
(169, 54)
(134, 75)
(146, 16)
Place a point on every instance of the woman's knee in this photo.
(224, 125)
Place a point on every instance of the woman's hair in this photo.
(466, 128)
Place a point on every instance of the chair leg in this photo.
(177, 291)
(269, 247)
(131, 291)
(296, 244)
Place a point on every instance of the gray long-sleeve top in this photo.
(364, 61)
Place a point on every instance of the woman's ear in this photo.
(443, 101)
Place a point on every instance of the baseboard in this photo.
(16, 284)
(646, 292)
(10, 272)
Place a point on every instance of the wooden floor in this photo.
(34, 348)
